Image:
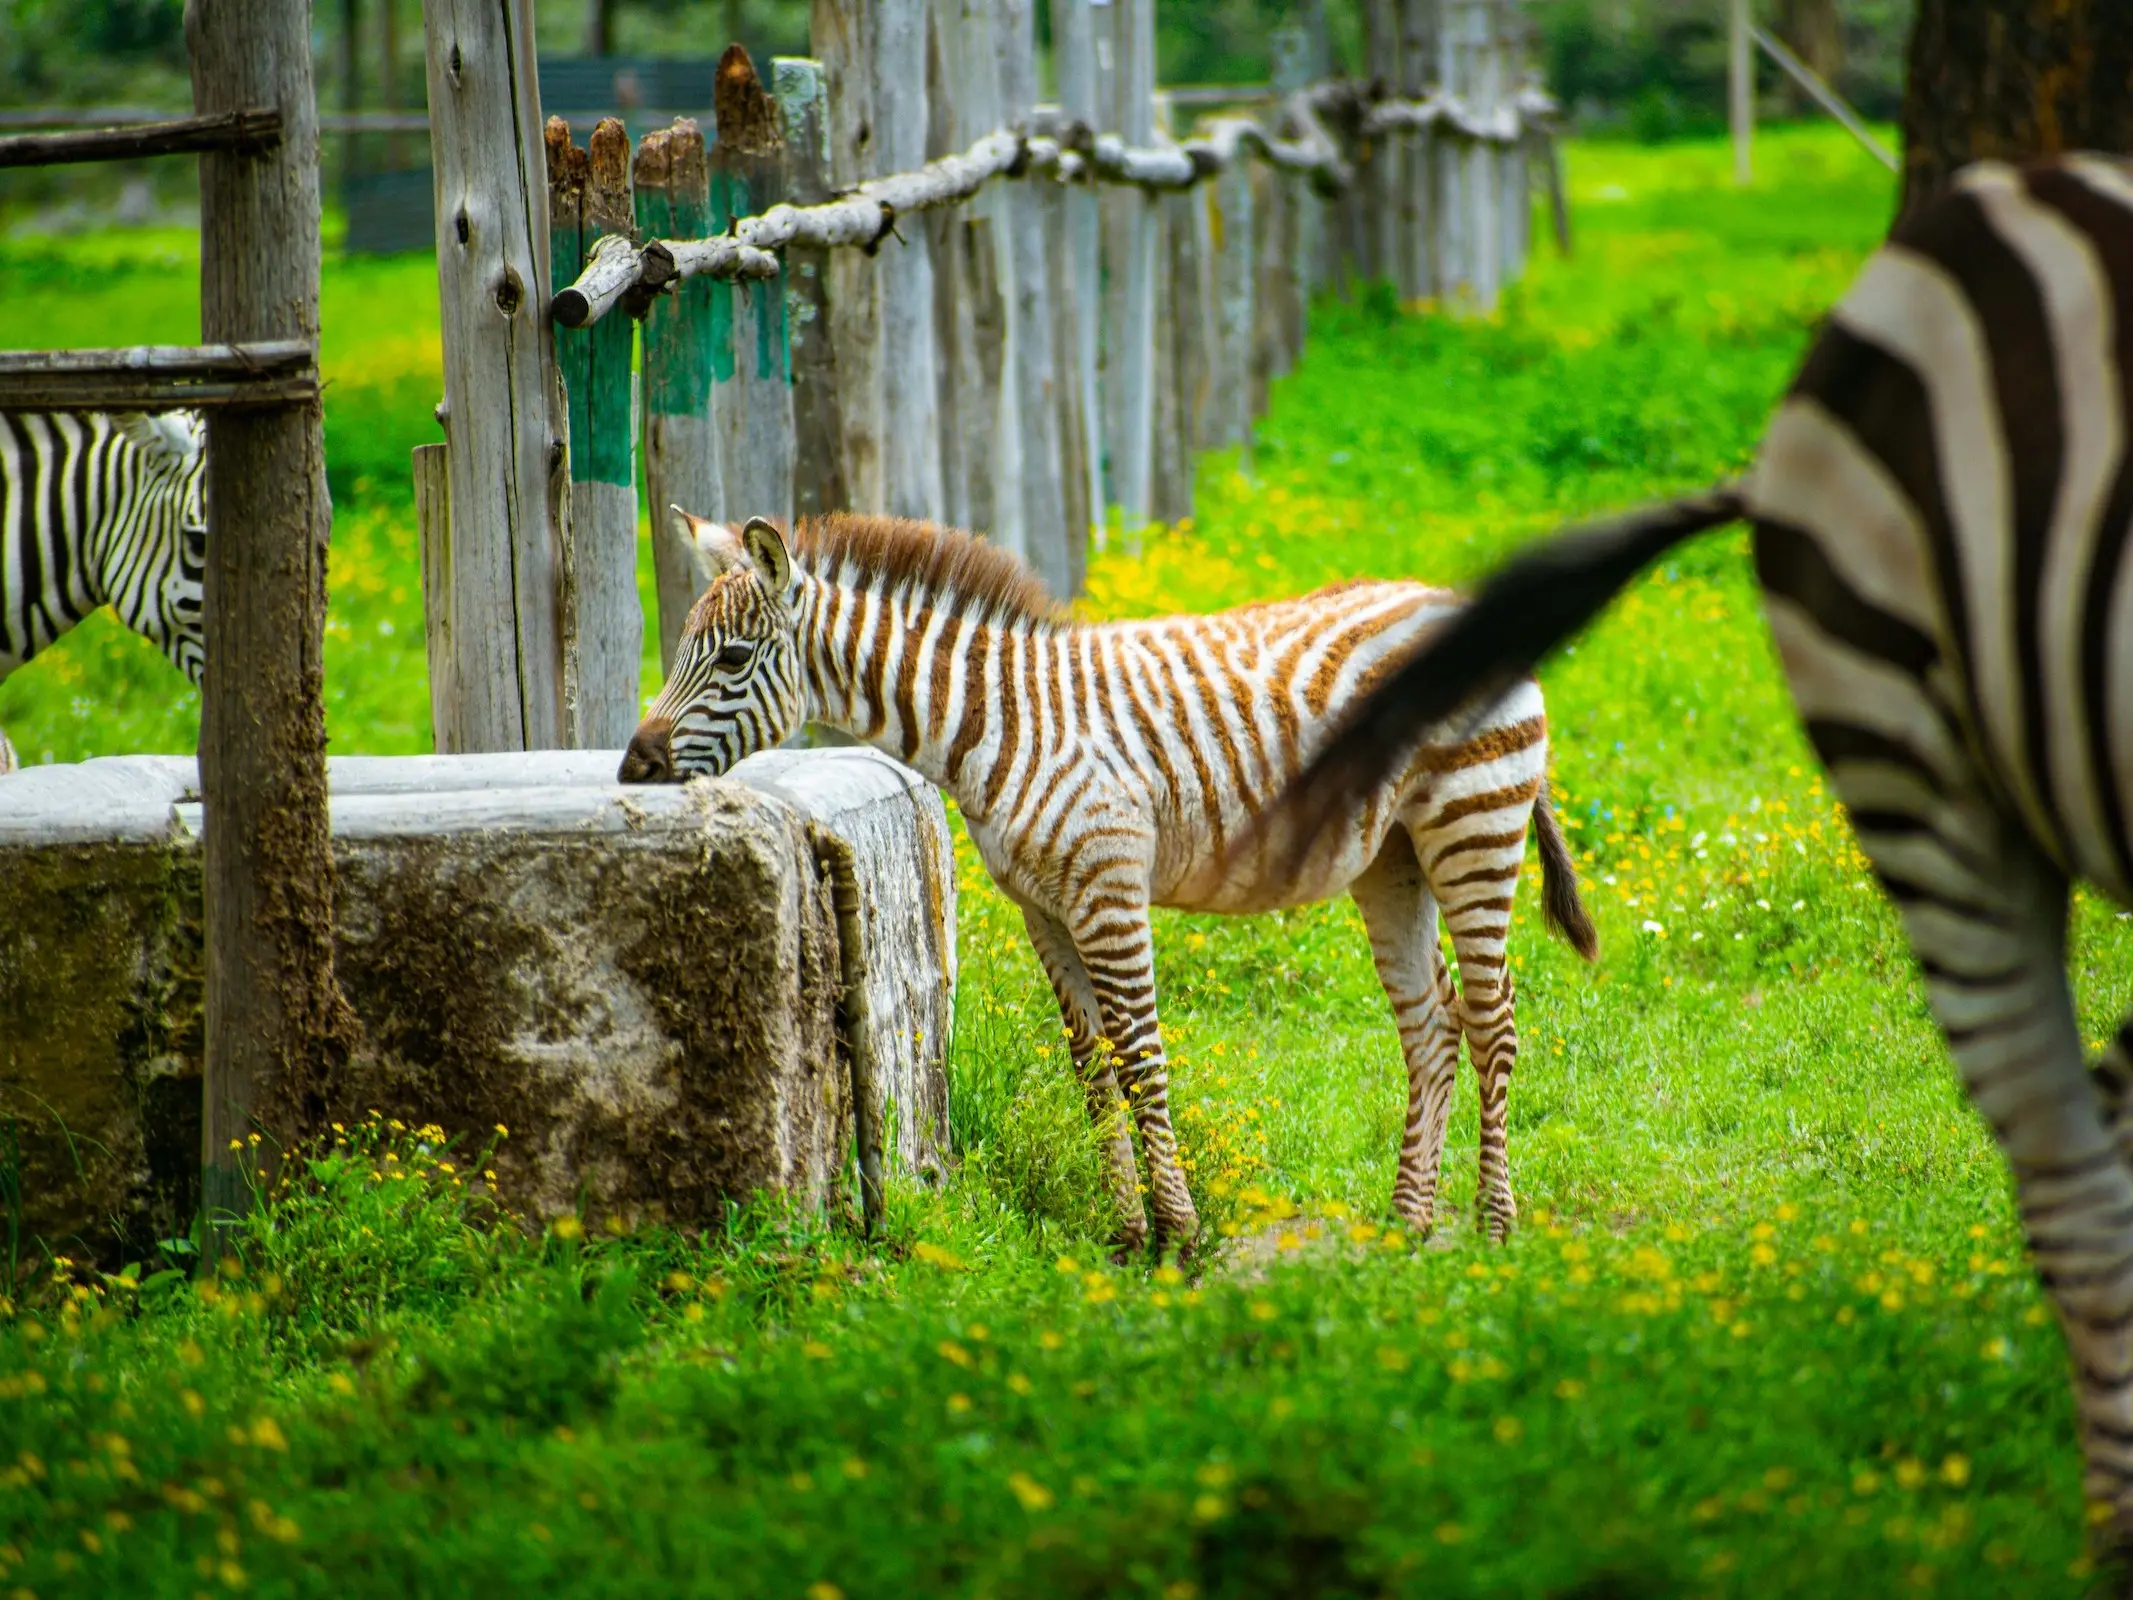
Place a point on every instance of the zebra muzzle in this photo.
(650, 757)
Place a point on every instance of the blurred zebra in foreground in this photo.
(1101, 769)
(101, 509)
(1941, 512)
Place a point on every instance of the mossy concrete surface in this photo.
(641, 984)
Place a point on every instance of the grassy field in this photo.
(1766, 1329)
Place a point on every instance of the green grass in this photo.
(1767, 1328)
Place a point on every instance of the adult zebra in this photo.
(1100, 767)
(1941, 511)
(100, 509)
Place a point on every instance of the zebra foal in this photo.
(1102, 769)
(101, 509)
(1941, 510)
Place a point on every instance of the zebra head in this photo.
(154, 549)
(736, 686)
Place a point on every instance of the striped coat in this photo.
(1942, 508)
(1104, 769)
(99, 509)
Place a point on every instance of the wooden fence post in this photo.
(504, 428)
(1516, 184)
(673, 201)
(1236, 291)
(1740, 91)
(1453, 270)
(751, 355)
(843, 33)
(1035, 372)
(1079, 308)
(1376, 193)
(818, 422)
(274, 1014)
(1131, 250)
(589, 200)
(1484, 191)
(909, 386)
(1419, 153)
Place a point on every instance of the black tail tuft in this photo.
(1527, 607)
(1559, 882)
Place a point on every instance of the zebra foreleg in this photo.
(1111, 936)
(1401, 919)
(8, 763)
(1107, 1111)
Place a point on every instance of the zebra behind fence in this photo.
(1101, 768)
(99, 509)
(1941, 511)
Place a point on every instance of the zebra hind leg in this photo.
(1989, 930)
(1107, 1109)
(1400, 916)
(8, 762)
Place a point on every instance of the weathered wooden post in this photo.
(1453, 272)
(1236, 274)
(511, 623)
(907, 373)
(589, 201)
(1483, 157)
(1080, 306)
(1130, 257)
(1416, 182)
(681, 466)
(1740, 90)
(818, 423)
(275, 1020)
(751, 358)
(843, 33)
(1377, 191)
(1035, 372)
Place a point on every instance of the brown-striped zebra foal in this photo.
(1102, 768)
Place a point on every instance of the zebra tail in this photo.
(1560, 904)
(1528, 606)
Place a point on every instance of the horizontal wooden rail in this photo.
(1051, 145)
(159, 377)
(257, 129)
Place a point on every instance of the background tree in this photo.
(2013, 79)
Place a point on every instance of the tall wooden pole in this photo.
(1740, 92)
(843, 32)
(276, 1023)
(1132, 240)
(505, 430)
(1074, 44)
(818, 420)
(910, 389)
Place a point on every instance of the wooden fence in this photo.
(891, 280)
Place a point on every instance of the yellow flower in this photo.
(959, 1403)
(568, 1227)
(1955, 1471)
(1509, 1430)
(934, 1255)
(816, 1350)
(1262, 1311)
(1450, 1533)
(1033, 1495)
(267, 1434)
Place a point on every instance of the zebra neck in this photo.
(915, 674)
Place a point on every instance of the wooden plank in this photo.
(433, 526)
(1483, 184)
(502, 398)
(1170, 452)
(673, 197)
(1740, 90)
(253, 131)
(910, 388)
(1383, 153)
(1131, 248)
(1077, 311)
(1079, 478)
(1420, 151)
(1235, 290)
(1035, 371)
(603, 477)
(843, 33)
(276, 1025)
(800, 87)
(751, 370)
(160, 377)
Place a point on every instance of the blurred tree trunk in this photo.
(1815, 32)
(2013, 80)
(599, 27)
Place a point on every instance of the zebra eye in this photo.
(736, 655)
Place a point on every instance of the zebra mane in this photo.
(911, 557)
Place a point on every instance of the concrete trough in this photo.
(644, 985)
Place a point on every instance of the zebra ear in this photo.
(711, 546)
(766, 548)
(173, 434)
